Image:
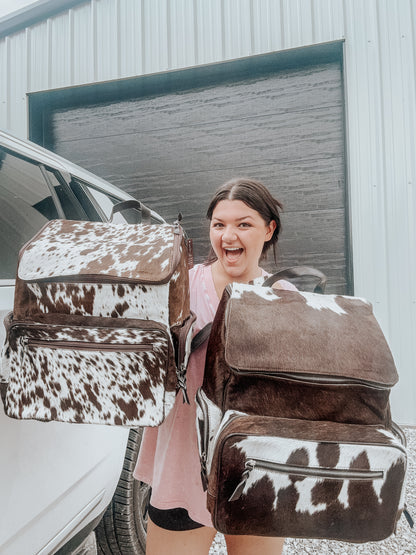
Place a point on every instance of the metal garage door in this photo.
(173, 149)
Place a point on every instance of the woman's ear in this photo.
(270, 230)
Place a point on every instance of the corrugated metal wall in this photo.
(111, 39)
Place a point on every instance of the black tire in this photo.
(122, 530)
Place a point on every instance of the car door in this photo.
(54, 478)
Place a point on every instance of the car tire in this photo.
(122, 530)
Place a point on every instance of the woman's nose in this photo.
(229, 234)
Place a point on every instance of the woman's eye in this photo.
(245, 224)
(217, 225)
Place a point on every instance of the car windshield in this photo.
(25, 205)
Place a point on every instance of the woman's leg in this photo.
(254, 545)
(167, 542)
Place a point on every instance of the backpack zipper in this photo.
(184, 341)
(203, 458)
(311, 378)
(85, 345)
(325, 473)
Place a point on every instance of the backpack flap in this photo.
(104, 269)
(66, 250)
(306, 337)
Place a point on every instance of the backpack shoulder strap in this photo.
(200, 337)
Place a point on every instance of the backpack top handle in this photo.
(136, 205)
(298, 272)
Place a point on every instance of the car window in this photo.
(25, 205)
(80, 190)
(106, 203)
(69, 203)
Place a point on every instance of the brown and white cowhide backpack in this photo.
(294, 426)
(101, 324)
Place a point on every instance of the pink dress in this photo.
(168, 458)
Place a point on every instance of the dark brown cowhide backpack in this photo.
(101, 324)
(295, 432)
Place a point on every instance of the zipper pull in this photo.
(181, 375)
(240, 488)
(204, 477)
(408, 516)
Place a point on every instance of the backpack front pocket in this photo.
(95, 375)
(295, 478)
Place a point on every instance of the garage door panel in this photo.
(308, 186)
(173, 150)
(325, 231)
(265, 140)
(281, 93)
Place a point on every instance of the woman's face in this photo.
(237, 234)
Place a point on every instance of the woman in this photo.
(244, 225)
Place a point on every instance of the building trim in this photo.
(34, 13)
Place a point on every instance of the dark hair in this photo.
(256, 196)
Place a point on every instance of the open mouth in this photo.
(233, 254)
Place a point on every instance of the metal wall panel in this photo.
(209, 35)
(130, 38)
(155, 33)
(38, 63)
(17, 78)
(5, 108)
(182, 33)
(381, 123)
(82, 44)
(110, 39)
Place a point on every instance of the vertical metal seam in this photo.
(49, 53)
(313, 24)
(251, 24)
(8, 83)
(168, 34)
(118, 39)
(28, 59)
(143, 37)
(94, 40)
(223, 30)
(71, 45)
(270, 26)
(413, 27)
(195, 34)
(387, 323)
(282, 26)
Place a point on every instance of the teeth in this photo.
(234, 249)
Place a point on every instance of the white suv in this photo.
(59, 481)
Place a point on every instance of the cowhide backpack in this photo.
(294, 426)
(101, 324)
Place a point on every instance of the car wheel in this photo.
(122, 530)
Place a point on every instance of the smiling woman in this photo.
(244, 225)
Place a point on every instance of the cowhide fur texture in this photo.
(101, 311)
(293, 418)
(307, 479)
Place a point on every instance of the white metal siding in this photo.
(111, 39)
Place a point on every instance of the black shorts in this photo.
(172, 519)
